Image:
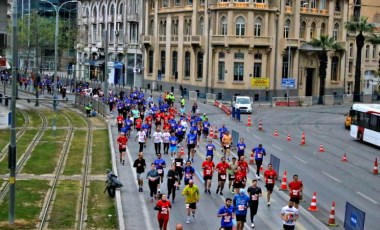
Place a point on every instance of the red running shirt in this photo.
(165, 207)
(270, 176)
(207, 168)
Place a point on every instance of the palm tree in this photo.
(359, 26)
(375, 40)
(325, 44)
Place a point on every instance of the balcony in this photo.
(132, 17)
(119, 18)
(292, 42)
(93, 20)
(196, 40)
(147, 40)
(110, 18)
(337, 14)
(305, 10)
(288, 9)
(240, 5)
(262, 41)
(260, 5)
(325, 12)
(101, 20)
(174, 38)
(99, 44)
(186, 38)
(162, 38)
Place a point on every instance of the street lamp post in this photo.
(207, 48)
(55, 97)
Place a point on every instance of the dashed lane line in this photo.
(303, 161)
(275, 146)
(331, 177)
(366, 197)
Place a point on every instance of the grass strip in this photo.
(34, 119)
(101, 213)
(30, 198)
(63, 215)
(101, 158)
(20, 120)
(78, 120)
(21, 146)
(4, 137)
(57, 135)
(60, 118)
(74, 161)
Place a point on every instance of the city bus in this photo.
(365, 123)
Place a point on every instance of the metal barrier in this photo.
(275, 161)
(235, 139)
(285, 101)
(193, 96)
(210, 98)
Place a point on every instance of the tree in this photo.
(325, 44)
(361, 27)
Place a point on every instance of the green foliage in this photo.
(361, 26)
(326, 43)
(375, 39)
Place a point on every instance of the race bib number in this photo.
(223, 177)
(232, 177)
(164, 211)
(210, 148)
(295, 192)
(270, 181)
(157, 139)
(188, 175)
(254, 197)
(178, 164)
(187, 206)
(120, 122)
(191, 142)
(241, 148)
(124, 146)
(208, 172)
(159, 171)
(241, 207)
(227, 219)
(260, 155)
(227, 146)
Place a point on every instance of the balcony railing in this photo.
(174, 38)
(101, 20)
(314, 11)
(241, 40)
(186, 38)
(147, 39)
(248, 5)
(119, 18)
(162, 38)
(288, 9)
(337, 14)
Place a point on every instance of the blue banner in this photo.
(354, 218)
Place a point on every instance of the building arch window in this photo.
(322, 4)
(313, 30)
(374, 52)
(240, 26)
(150, 62)
(323, 29)
(121, 9)
(187, 26)
(286, 28)
(151, 27)
(200, 65)
(103, 12)
(201, 26)
(285, 66)
(163, 27)
(174, 27)
(303, 30)
(335, 68)
(165, 3)
(351, 49)
(367, 51)
(221, 67)
(112, 10)
(187, 64)
(223, 26)
(163, 61)
(94, 13)
(257, 27)
(336, 32)
(174, 62)
(313, 4)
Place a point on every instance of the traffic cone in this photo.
(249, 123)
(331, 221)
(313, 206)
(289, 137)
(216, 132)
(211, 134)
(284, 185)
(182, 151)
(251, 159)
(260, 126)
(275, 133)
(303, 139)
(375, 168)
(344, 158)
(321, 149)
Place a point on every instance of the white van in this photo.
(244, 103)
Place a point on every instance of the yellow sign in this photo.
(262, 82)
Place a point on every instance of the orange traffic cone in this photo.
(182, 151)
(211, 134)
(321, 149)
(331, 221)
(289, 137)
(215, 132)
(275, 133)
(251, 159)
(284, 185)
(344, 158)
(303, 139)
(260, 126)
(375, 169)
(249, 123)
(313, 206)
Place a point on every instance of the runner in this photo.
(208, 170)
(221, 168)
(191, 141)
(180, 132)
(206, 127)
(254, 193)
(160, 165)
(222, 130)
(289, 215)
(153, 181)
(270, 176)
(166, 141)
(259, 156)
(163, 207)
(240, 148)
(239, 181)
(241, 203)
(128, 125)
(119, 122)
(141, 137)
(244, 168)
(173, 141)
(122, 140)
(179, 162)
(295, 191)
(210, 148)
(226, 142)
(157, 139)
(173, 178)
(231, 173)
(188, 172)
(192, 194)
(227, 212)
(140, 165)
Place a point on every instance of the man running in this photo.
(157, 139)
(226, 142)
(241, 204)
(227, 212)
(153, 181)
(259, 156)
(141, 137)
(166, 141)
(172, 182)
(179, 162)
(232, 166)
(140, 165)
(192, 194)
(210, 148)
(160, 165)
(289, 215)
(188, 172)
(270, 176)
(295, 191)
(191, 140)
(208, 170)
(122, 140)
(119, 122)
(173, 141)
(254, 193)
(221, 168)
(240, 148)
(242, 163)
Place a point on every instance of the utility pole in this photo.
(105, 35)
(12, 146)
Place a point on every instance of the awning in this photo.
(308, 47)
(118, 65)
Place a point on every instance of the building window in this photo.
(285, 66)
(223, 26)
(202, 2)
(349, 87)
(187, 26)
(112, 33)
(221, 70)
(374, 52)
(163, 27)
(351, 49)
(164, 3)
(350, 67)
(313, 30)
(94, 32)
(151, 28)
(313, 4)
(163, 59)
(174, 62)
(174, 27)
(238, 71)
(337, 6)
(335, 32)
(323, 29)
(286, 28)
(150, 64)
(201, 26)
(200, 65)
(221, 55)
(240, 26)
(303, 30)
(239, 56)
(322, 4)
(367, 47)
(334, 68)
(288, 3)
(190, 2)
(257, 69)
(177, 2)
(257, 28)
(187, 64)
(133, 32)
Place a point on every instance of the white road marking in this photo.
(367, 197)
(275, 146)
(328, 175)
(258, 137)
(295, 157)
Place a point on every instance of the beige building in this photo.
(220, 45)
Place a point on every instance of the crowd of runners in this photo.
(177, 133)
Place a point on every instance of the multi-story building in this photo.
(218, 46)
(113, 28)
(5, 7)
